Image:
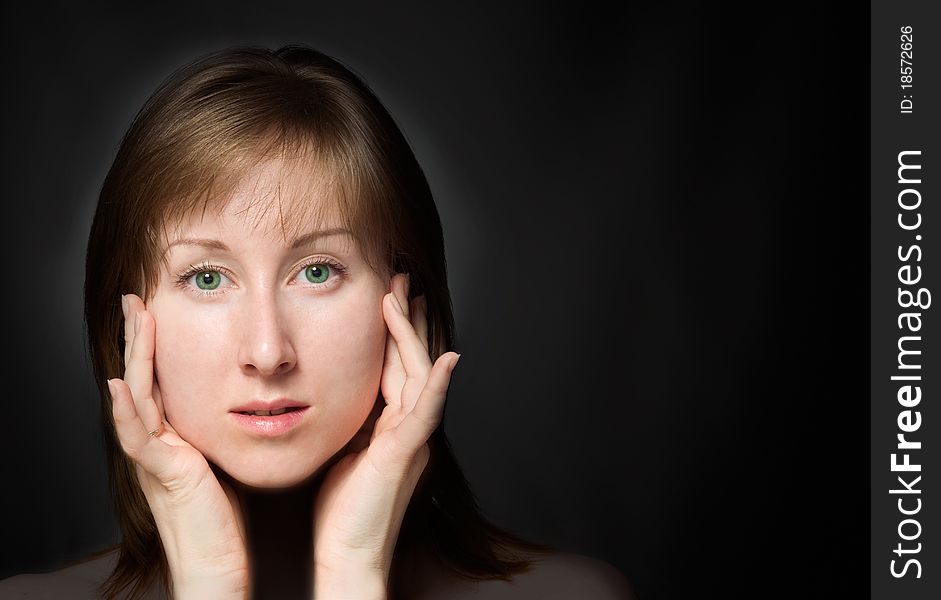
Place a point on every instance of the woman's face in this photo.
(259, 319)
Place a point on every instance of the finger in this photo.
(393, 375)
(400, 289)
(419, 318)
(393, 372)
(128, 327)
(411, 352)
(139, 374)
(133, 305)
(158, 401)
(421, 421)
(148, 451)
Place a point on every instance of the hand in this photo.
(363, 497)
(198, 516)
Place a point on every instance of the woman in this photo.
(271, 329)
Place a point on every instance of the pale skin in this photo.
(193, 356)
(366, 492)
(268, 332)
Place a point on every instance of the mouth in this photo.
(269, 413)
(267, 408)
(270, 423)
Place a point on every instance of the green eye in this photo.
(317, 273)
(208, 280)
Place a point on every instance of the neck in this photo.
(279, 527)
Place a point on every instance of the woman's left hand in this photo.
(362, 499)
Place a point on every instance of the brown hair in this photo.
(201, 130)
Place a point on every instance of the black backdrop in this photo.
(656, 225)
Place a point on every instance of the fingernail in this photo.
(124, 305)
(137, 323)
(111, 387)
(454, 362)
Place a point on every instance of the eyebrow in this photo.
(303, 240)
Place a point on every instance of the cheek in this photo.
(188, 362)
(354, 336)
(346, 349)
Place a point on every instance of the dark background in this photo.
(656, 221)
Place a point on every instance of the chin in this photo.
(268, 481)
(270, 474)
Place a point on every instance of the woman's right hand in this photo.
(198, 516)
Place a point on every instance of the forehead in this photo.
(276, 198)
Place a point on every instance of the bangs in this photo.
(329, 186)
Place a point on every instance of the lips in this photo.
(267, 426)
(278, 406)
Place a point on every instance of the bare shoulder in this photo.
(79, 580)
(567, 575)
(555, 576)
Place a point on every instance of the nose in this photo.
(266, 348)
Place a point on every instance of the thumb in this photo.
(152, 453)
